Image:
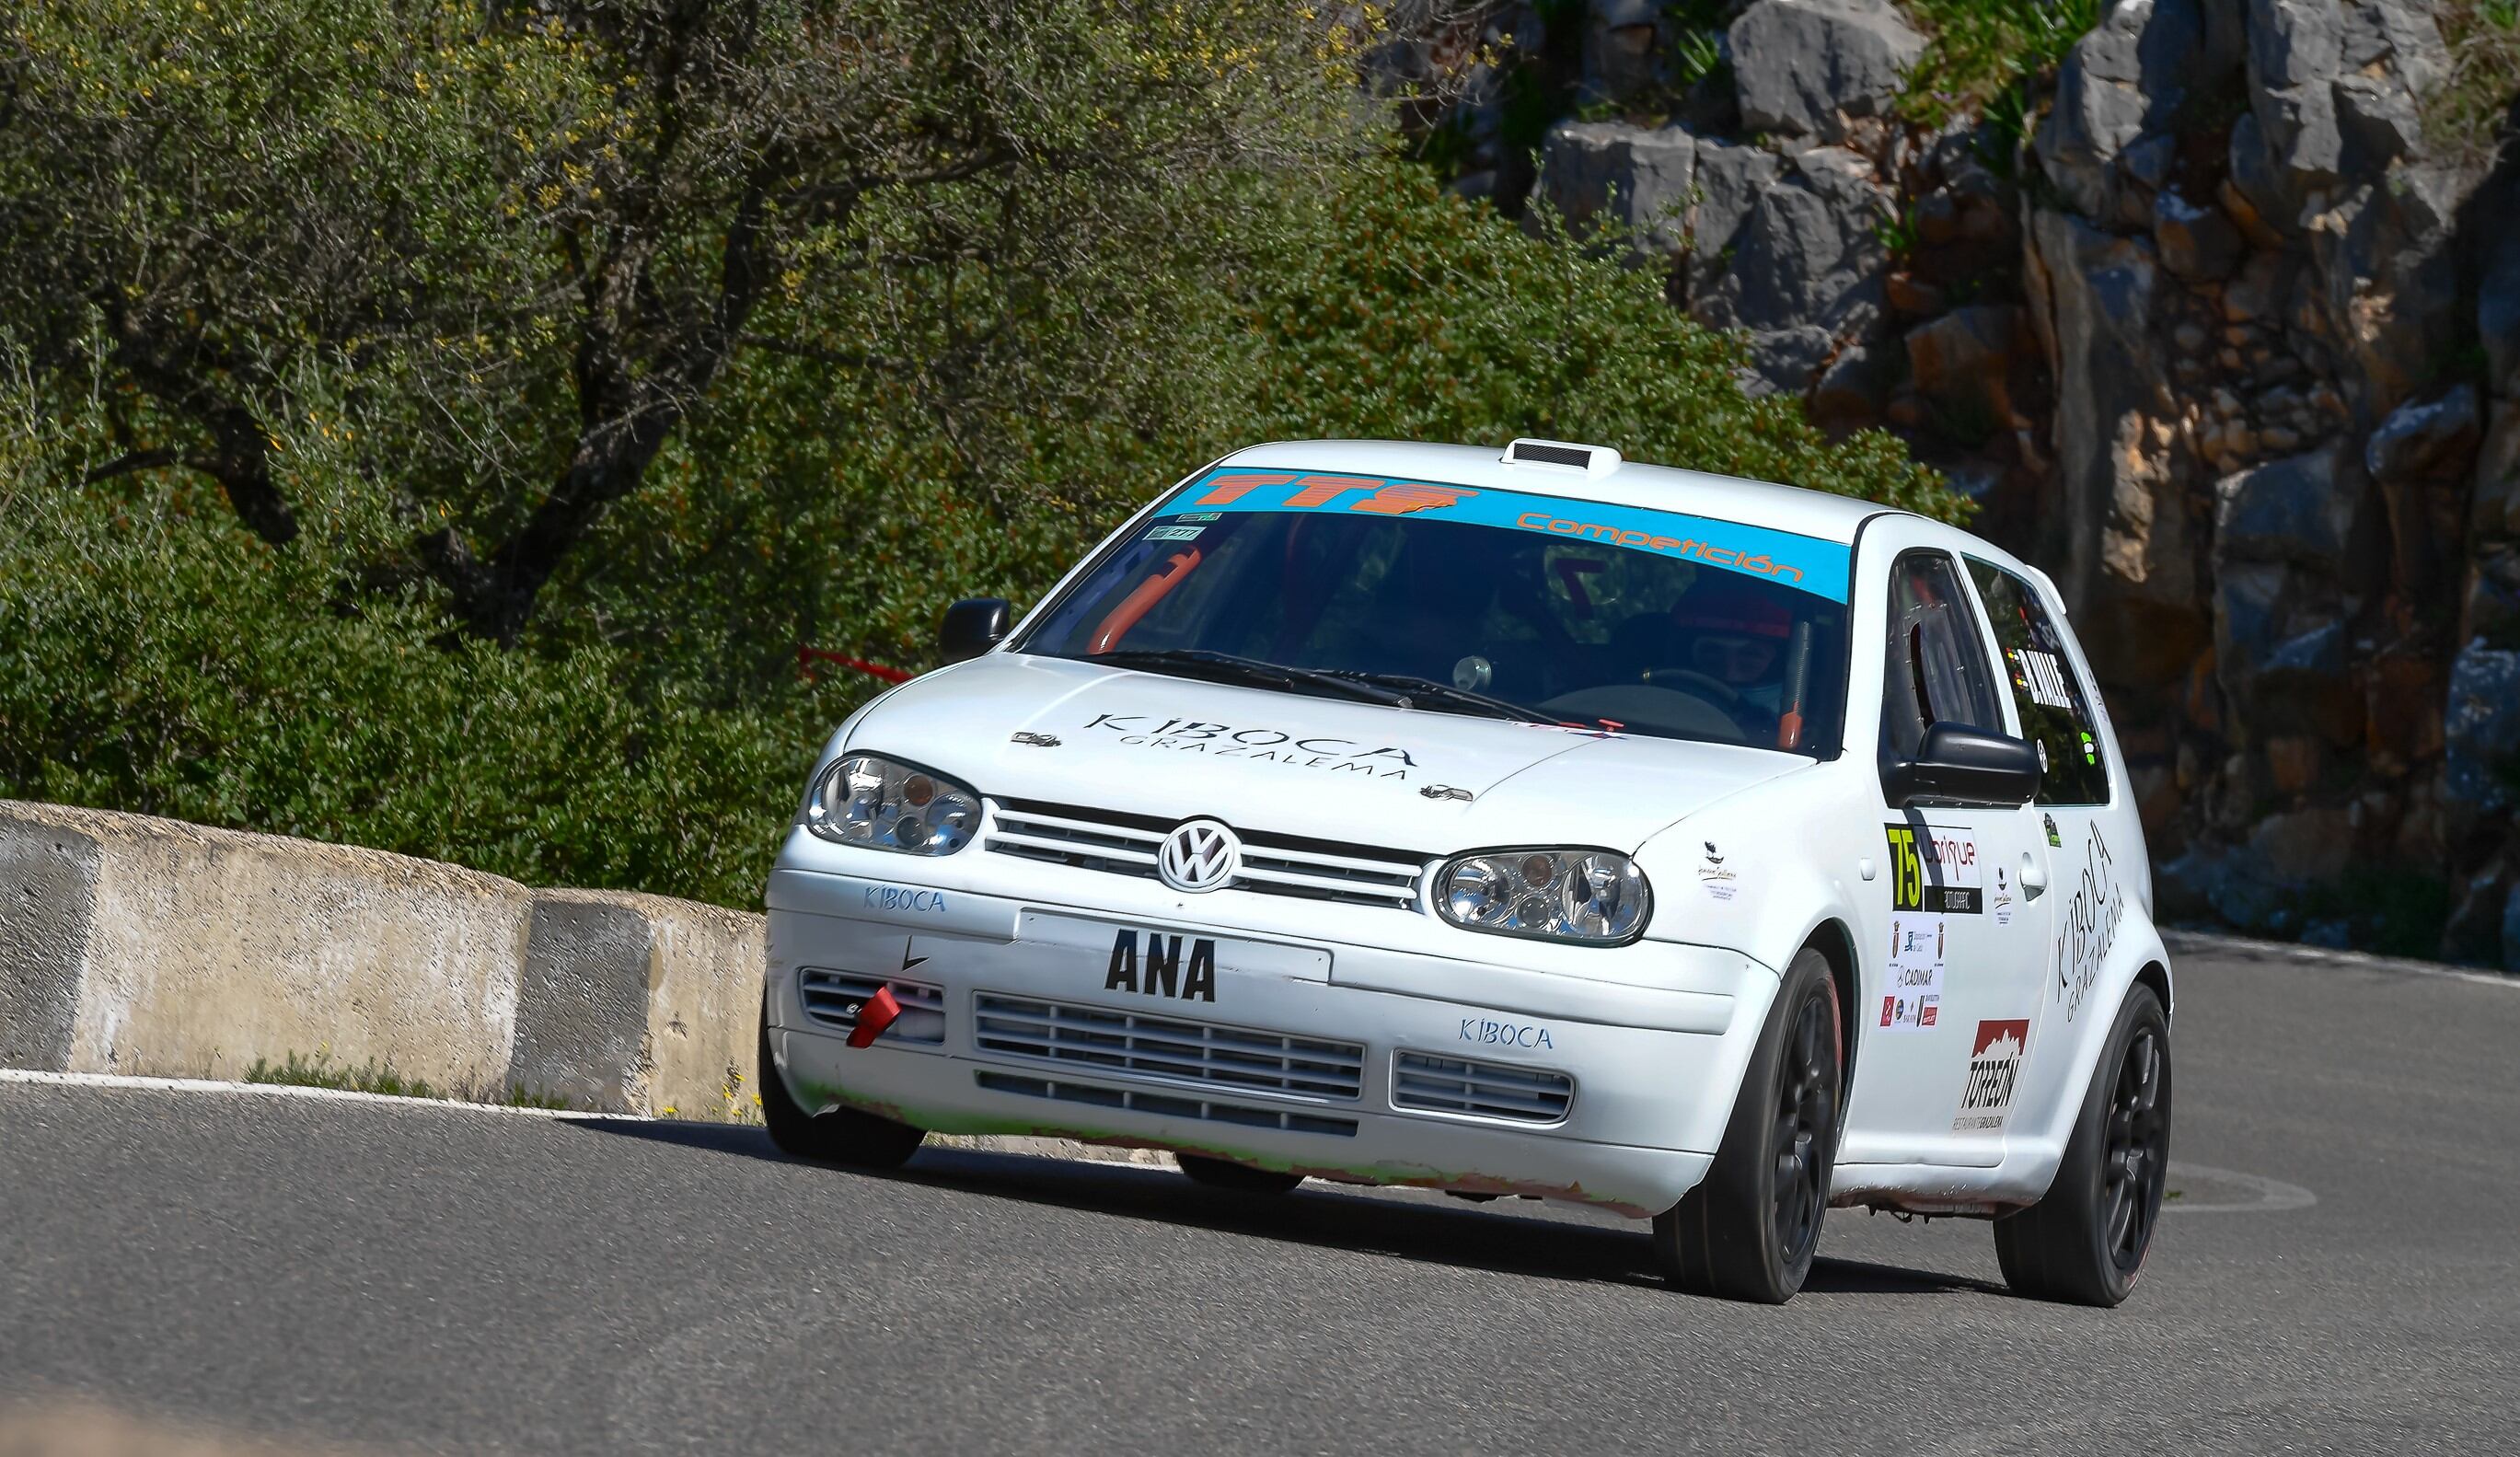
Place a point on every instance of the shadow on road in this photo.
(1322, 1215)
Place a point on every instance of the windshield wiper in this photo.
(1229, 667)
(1415, 689)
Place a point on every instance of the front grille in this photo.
(1489, 1090)
(828, 995)
(1128, 1044)
(1272, 864)
(1134, 1100)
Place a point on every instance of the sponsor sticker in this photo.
(1935, 869)
(1489, 1032)
(1805, 562)
(1913, 999)
(2044, 679)
(1175, 534)
(1322, 753)
(2002, 901)
(915, 898)
(1721, 882)
(2088, 927)
(1994, 1070)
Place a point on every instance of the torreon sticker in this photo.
(1805, 562)
(1935, 868)
(1994, 1070)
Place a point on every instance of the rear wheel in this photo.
(1748, 1231)
(2086, 1242)
(1243, 1178)
(843, 1136)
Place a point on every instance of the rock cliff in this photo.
(2207, 319)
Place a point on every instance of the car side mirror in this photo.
(972, 626)
(1956, 764)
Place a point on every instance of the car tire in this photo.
(1241, 1178)
(844, 1135)
(1749, 1229)
(2085, 1243)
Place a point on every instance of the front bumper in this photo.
(1653, 1059)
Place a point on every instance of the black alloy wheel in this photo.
(2137, 1152)
(1751, 1228)
(1806, 1114)
(2086, 1242)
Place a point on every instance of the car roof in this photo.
(1821, 515)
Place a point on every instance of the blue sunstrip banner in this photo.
(1805, 562)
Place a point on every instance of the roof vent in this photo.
(1592, 460)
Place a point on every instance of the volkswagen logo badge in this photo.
(1199, 856)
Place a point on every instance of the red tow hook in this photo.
(875, 1014)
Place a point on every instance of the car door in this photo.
(1956, 954)
(2089, 836)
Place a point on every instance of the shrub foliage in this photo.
(926, 398)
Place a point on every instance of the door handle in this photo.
(2034, 878)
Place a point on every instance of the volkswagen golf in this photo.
(1520, 822)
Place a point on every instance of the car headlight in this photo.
(862, 800)
(1591, 896)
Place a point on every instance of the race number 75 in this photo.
(1906, 870)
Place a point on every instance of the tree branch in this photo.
(134, 461)
(240, 457)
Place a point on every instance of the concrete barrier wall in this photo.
(640, 1003)
(133, 944)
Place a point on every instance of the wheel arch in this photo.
(1836, 945)
(2155, 973)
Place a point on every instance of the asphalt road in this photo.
(2337, 1272)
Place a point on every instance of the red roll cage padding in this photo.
(1142, 600)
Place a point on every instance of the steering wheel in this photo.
(1713, 689)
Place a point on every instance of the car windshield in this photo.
(1502, 604)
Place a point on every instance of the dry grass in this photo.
(2468, 117)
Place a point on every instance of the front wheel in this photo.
(843, 1136)
(2085, 1243)
(1748, 1231)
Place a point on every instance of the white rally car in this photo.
(1532, 822)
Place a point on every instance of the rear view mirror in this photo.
(1956, 764)
(972, 626)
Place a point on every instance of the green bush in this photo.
(1397, 312)
(651, 731)
(152, 659)
(847, 510)
(1976, 49)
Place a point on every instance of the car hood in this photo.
(1259, 759)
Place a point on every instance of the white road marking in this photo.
(287, 1090)
(990, 1143)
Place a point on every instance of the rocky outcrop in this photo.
(1641, 180)
(1806, 268)
(1811, 68)
(2208, 330)
(2255, 311)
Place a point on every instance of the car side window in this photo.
(2056, 709)
(1936, 669)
